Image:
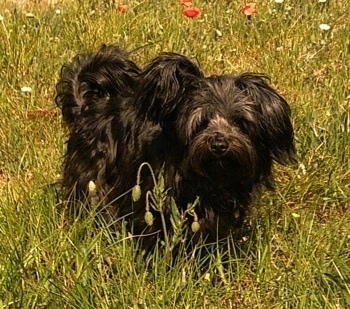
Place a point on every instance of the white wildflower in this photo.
(26, 89)
(325, 27)
(1, 18)
(322, 1)
(58, 11)
(279, 1)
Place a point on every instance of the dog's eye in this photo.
(241, 124)
(201, 126)
(195, 127)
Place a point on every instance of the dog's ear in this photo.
(275, 127)
(164, 84)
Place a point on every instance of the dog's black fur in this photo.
(109, 138)
(213, 137)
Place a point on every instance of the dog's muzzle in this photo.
(218, 144)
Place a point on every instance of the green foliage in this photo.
(296, 252)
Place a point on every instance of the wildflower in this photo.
(26, 89)
(279, 1)
(191, 12)
(30, 15)
(249, 9)
(1, 18)
(325, 27)
(123, 8)
(322, 1)
(58, 11)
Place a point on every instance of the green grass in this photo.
(297, 254)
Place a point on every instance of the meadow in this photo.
(296, 252)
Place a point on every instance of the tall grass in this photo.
(297, 252)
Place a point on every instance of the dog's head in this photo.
(234, 127)
(91, 81)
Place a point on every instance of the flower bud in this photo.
(149, 218)
(136, 193)
(195, 226)
(92, 188)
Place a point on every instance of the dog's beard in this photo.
(236, 165)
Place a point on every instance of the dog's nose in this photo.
(218, 145)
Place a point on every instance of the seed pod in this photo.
(195, 226)
(149, 218)
(136, 193)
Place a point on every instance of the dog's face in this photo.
(217, 126)
(232, 128)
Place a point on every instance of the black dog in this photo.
(109, 136)
(212, 137)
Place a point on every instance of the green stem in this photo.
(138, 179)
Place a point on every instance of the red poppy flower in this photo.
(249, 9)
(123, 8)
(191, 12)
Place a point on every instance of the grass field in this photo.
(297, 252)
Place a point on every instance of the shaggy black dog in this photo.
(214, 137)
